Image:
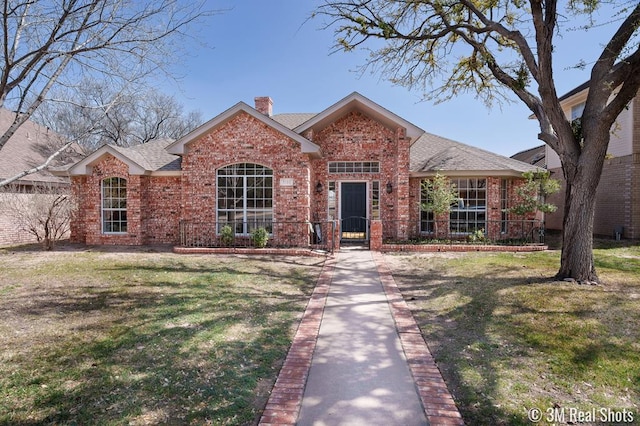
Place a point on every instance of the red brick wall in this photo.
(153, 207)
(633, 230)
(245, 139)
(356, 137)
(88, 227)
(494, 207)
(161, 209)
(617, 199)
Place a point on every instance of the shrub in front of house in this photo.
(227, 235)
(259, 237)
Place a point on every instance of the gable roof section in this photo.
(431, 154)
(355, 101)
(143, 159)
(178, 147)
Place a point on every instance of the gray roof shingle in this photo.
(293, 120)
(29, 147)
(535, 156)
(152, 155)
(432, 153)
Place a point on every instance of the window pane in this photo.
(114, 205)
(249, 193)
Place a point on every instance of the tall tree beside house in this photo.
(100, 115)
(56, 43)
(500, 48)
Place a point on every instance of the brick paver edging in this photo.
(434, 248)
(250, 251)
(285, 401)
(438, 404)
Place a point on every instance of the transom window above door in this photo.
(354, 167)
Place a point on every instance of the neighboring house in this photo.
(618, 194)
(534, 156)
(353, 162)
(29, 147)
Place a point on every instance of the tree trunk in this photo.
(577, 234)
(582, 176)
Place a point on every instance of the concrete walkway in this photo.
(358, 357)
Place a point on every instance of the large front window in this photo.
(245, 197)
(114, 205)
(471, 212)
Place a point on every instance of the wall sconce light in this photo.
(319, 188)
(389, 187)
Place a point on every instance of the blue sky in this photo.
(269, 48)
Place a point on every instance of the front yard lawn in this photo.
(115, 338)
(508, 338)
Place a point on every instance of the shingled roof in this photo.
(431, 154)
(535, 156)
(293, 120)
(29, 147)
(153, 155)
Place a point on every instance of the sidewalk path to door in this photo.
(358, 357)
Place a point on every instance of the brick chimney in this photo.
(264, 105)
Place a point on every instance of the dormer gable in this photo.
(179, 146)
(356, 102)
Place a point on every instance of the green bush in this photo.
(477, 236)
(259, 237)
(227, 235)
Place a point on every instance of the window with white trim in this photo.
(427, 218)
(577, 110)
(245, 197)
(332, 202)
(504, 205)
(471, 212)
(375, 200)
(114, 205)
(354, 167)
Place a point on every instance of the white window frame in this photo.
(470, 205)
(244, 211)
(115, 204)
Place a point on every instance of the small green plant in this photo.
(477, 236)
(259, 237)
(227, 235)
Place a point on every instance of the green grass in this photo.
(144, 338)
(508, 338)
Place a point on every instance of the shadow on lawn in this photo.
(480, 331)
(154, 350)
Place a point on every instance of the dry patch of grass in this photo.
(508, 338)
(144, 338)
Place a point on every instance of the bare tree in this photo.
(500, 48)
(99, 115)
(44, 211)
(61, 43)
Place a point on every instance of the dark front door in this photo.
(353, 210)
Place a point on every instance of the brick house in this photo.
(618, 194)
(353, 163)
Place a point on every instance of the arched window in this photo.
(245, 197)
(114, 205)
